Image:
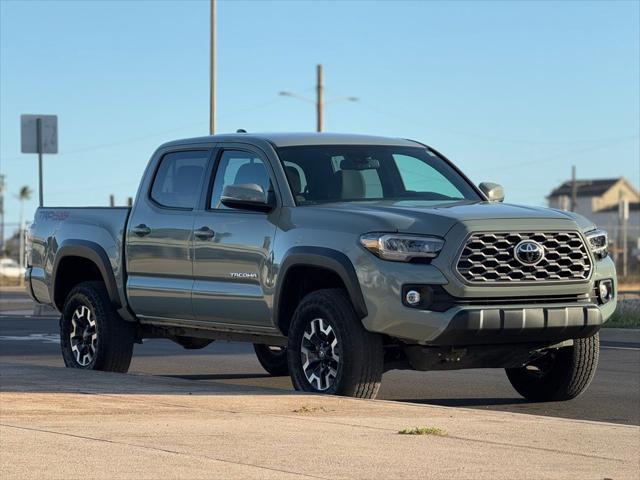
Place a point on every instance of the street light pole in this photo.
(319, 99)
(212, 72)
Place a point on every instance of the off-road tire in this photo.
(115, 336)
(360, 366)
(275, 363)
(569, 374)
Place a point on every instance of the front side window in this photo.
(177, 181)
(237, 168)
(344, 173)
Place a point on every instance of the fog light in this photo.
(412, 297)
(605, 291)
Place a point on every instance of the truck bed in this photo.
(101, 229)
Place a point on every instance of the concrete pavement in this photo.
(62, 423)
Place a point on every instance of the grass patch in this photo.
(633, 278)
(627, 315)
(308, 409)
(623, 320)
(423, 431)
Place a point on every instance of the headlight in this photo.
(598, 243)
(401, 248)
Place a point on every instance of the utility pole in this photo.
(574, 189)
(319, 99)
(623, 216)
(39, 136)
(212, 71)
(112, 200)
(2, 177)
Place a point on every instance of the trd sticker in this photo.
(57, 215)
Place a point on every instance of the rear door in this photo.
(160, 236)
(233, 274)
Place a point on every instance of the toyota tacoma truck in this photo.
(339, 257)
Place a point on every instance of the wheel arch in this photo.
(336, 264)
(81, 253)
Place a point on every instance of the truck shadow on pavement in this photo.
(221, 376)
(29, 378)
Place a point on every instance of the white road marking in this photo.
(622, 348)
(34, 337)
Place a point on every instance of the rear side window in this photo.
(178, 180)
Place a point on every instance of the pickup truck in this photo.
(339, 257)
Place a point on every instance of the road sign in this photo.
(48, 133)
(39, 135)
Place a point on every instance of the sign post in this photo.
(39, 134)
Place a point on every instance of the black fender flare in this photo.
(96, 254)
(328, 259)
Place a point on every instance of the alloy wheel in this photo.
(83, 336)
(320, 354)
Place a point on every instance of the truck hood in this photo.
(438, 218)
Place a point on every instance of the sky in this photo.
(512, 92)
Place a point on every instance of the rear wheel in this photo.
(559, 374)
(92, 334)
(273, 359)
(329, 351)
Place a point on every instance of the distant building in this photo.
(599, 200)
(593, 195)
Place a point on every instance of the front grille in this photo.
(489, 257)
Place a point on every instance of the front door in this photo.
(160, 237)
(233, 280)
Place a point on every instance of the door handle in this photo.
(141, 230)
(204, 233)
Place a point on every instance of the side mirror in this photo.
(493, 191)
(248, 196)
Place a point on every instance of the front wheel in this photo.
(329, 351)
(92, 334)
(559, 374)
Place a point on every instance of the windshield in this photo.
(351, 173)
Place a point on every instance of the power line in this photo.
(488, 138)
(118, 143)
(136, 139)
(551, 158)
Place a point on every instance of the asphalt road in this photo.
(614, 395)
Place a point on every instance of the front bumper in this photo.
(491, 324)
(520, 325)
(487, 320)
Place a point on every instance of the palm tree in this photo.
(23, 196)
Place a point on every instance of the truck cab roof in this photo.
(298, 139)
